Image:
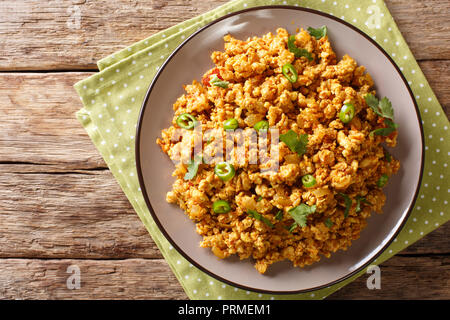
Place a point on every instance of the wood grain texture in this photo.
(46, 35)
(39, 124)
(80, 214)
(404, 278)
(425, 25)
(59, 203)
(100, 279)
(401, 278)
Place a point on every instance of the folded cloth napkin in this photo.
(112, 99)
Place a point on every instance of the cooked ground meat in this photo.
(345, 159)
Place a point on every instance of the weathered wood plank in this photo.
(68, 215)
(100, 279)
(425, 25)
(404, 278)
(435, 72)
(47, 35)
(39, 124)
(84, 214)
(424, 277)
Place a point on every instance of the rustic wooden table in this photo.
(60, 205)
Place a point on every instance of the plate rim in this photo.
(141, 178)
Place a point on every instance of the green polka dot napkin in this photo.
(112, 99)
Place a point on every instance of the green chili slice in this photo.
(216, 81)
(231, 124)
(221, 206)
(186, 121)
(383, 180)
(261, 125)
(224, 171)
(309, 181)
(347, 113)
(290, 73)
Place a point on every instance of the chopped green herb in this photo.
(391, 127)
(382, 108)
(260, 217)
(215, 81)
(291, 227)
(301, 212)
(259, 199)
(298, 52)
(279, 215)
(372, 102)
(193, 168)
(328, 223)
(387, 155)
(382, 181)
(386, 108)
(359, 200)
(318, 32)
(348, 203)
(295, 142)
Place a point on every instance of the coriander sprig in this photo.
(297, 143)
(318, 32)
(382, 108)
(300, 214)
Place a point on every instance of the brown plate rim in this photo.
(141, 179)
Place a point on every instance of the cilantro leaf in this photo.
(382, 107)
(372, 101)
(193, 168)
(301, 212)
(328, 223)
(348, 203)
(318, 32)
(291, 227)
(279, 215)
(298, 52)
(359, 200)
(215, 81)
(382, 131)
(254, 214)
(386, 108)
(295, 142)
(388, 156)
(391, 127)
(304, 53)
